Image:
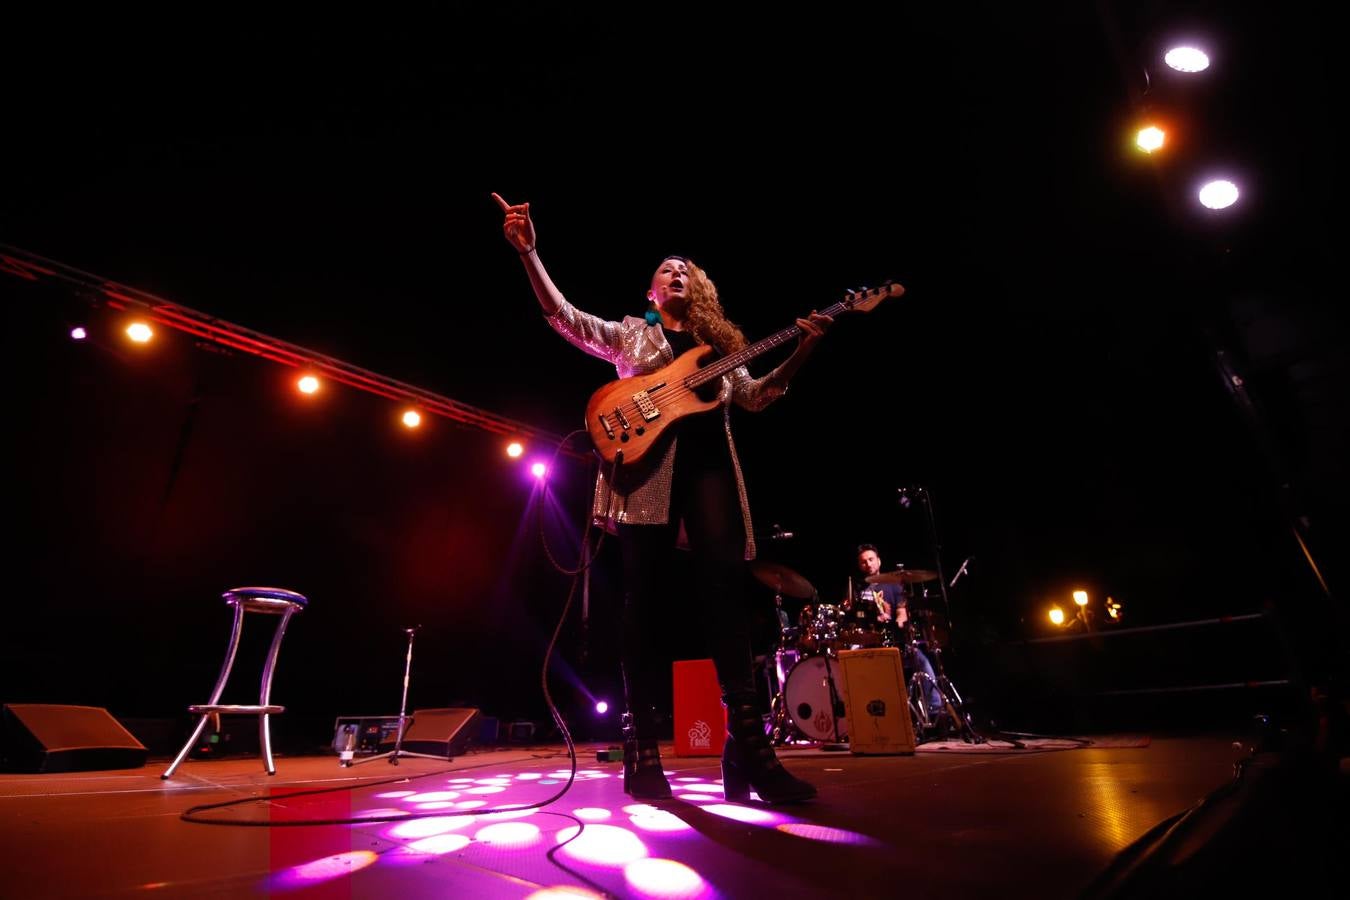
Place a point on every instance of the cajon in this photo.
(877, 704)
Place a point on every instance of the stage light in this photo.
(78, 334)
(514, 449)
(601, 707)
(538, 470)
(411, 418)
(308, 384)
(1082, 616)
(1150, 138)
(1218, 194)
(1187, 59)
(1056, 615)
(1114, 611)
(140, 332)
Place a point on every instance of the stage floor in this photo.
(953, 820)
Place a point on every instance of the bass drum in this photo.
(807, 694)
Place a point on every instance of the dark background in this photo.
(1058, 375)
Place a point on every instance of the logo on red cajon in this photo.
(700, 736)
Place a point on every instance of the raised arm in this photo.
(596, 336)
(520, 234)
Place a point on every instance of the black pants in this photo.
(705, 498)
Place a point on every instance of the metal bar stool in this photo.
(272, 601)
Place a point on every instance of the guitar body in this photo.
(631, 415)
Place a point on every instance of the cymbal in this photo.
(902, 576)
(782, 579)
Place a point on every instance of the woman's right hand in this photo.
(517, 227)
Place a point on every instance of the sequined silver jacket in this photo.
(636, 348)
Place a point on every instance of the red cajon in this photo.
(700, 718)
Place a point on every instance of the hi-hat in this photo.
(782, 579)
(902, 576)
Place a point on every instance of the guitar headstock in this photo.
(866, 299)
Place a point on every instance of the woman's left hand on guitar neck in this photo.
(813, 329)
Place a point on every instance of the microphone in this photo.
(961, 571)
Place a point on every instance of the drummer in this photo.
(875, 608)
(883, 607)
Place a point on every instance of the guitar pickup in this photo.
(623, 420)
(644, 402)
(604, 423)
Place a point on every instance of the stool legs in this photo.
(264, 698)
(216, 692)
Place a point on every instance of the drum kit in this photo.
(806, 699)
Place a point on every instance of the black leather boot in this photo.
(748, 760)
(643, 777)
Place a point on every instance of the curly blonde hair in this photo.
(708, 322)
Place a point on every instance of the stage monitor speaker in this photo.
(44, 737)
(440, 732)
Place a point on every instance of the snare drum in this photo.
(860, 628)
(856, 637)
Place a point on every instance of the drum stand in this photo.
(398, 752)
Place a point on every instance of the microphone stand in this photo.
(951, 698)
(927, 499)
(398, 752)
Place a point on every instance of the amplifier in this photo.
(363, 735)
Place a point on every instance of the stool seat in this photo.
(236, 709)
(265, 599)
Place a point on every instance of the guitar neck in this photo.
(741, 357)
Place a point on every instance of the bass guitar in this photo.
(627, 417)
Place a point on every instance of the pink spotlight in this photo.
(538, 470)
(602, 845)
(601, 707)
(78, 333)
(667, 879)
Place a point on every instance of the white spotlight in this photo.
(1150, 138)
(1219, 194)
(1187, 59)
